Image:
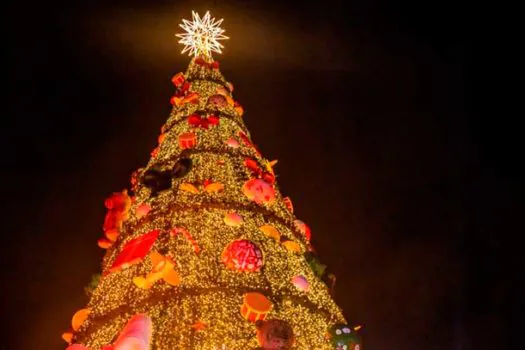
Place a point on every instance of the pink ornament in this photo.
(243, 255)
(233, 219)
(303, 228)
(233, 143)
(301, 283)
(136, 335)
(142, 210)
(259, 191)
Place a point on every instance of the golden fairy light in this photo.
(202, 35)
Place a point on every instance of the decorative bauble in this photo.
(343, 337)
(255, 306)
(134, 251)
(233, 143)
(68, 337)
(213, 187)
(155, 152)
(301, 283)
(187, 187)
(303, 228)
(187, 140)
(79, 317)
(217, 101)
(181, 167)
(288, 203)
(233, 219)
(275, 335)
(238, 108)
(142, 210)
(161, 138)
(105, 243)
(271, 232)
(259, 191)
(156, 180)
(243, 255)
(291, 246)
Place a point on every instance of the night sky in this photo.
(371, 108)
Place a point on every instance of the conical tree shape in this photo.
(205, 245)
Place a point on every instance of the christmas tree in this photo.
(203, 251)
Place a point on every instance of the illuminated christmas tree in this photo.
(203, 251)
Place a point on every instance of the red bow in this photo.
(247, 142)
(202, 62)
(258, 172)
(196, 120)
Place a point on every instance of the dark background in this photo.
(407, 176)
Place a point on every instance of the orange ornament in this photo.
(255, 306)
(233, 219)
(68, 337)
(187, 187)
(292, 246)
(79, 317)
(104, 243)
(214, 187)
(271, 232)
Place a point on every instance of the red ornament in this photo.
(247, 142)
(178, 79)
(238, 108)
(270, 178)
(134, 251)
(253, 166)
(303, 228)
(288, 203)
(233, 143)
(259, 191)
(187, 140)
(196, 120)
(155, 152)
(243, 255)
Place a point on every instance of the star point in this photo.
(202, 35)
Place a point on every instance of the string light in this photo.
(202, 35)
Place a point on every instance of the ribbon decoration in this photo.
(256, 170)
(196, 120)
(203, 63)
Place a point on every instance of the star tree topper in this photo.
(202, 35)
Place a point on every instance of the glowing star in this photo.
(202, 35)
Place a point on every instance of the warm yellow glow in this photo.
(202, 35)
(202, 310)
